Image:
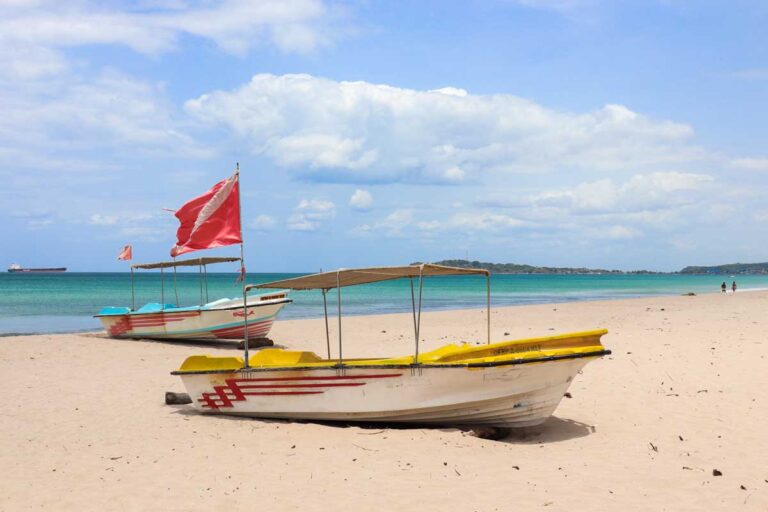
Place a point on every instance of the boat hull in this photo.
(505, 395)
(195, 323)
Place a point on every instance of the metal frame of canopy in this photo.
(326, 281)
(202, 263)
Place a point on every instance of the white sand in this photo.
(84, 426)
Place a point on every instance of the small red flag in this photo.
(210, 220)
(126, 254)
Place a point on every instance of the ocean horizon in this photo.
(57, 303)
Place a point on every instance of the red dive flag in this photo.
(126, 254)
(210, 220)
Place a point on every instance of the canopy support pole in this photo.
(338, 299)
(162, 290)
(418, 318)
(246, 353)
(413, 306)
(200, 273)
(133, 294)
(327, 332)
(488, 304)
(175, 287)
(205, 273)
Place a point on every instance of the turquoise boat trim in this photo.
(154, 307)
(114, 311)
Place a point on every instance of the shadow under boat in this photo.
(253, 344)
(553, 430)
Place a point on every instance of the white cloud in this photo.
(263, 223)
(234, 25)
(750, 164)
(142, 233)
(484, 221)
(664, 204)
(429, 225)
(640, 192)
(298, 222)
(68, 117)
(98, 219)
(130, 226)
(321, 151)
(451, 91)
(361, 200)
(317, 208)
(310, 214)
(454, 174)
(391, 226)
(615, 232)
(57, 108)
(363, 132)
(397, 222)
(30, 62)
(34, 219)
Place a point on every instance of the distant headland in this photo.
(730, 269)
(515, 268)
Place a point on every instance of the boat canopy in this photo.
(353, 276)
(338, 279)
(194, 262)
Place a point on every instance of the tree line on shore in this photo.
(516, 268)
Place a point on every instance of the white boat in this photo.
(507, 384)
(223, 319)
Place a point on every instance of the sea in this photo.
(54, 303)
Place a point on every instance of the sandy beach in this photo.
(84, 425)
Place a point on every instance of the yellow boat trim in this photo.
(559, 346)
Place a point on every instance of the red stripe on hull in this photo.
(254, 330)
(211, 400)
(235, 390)
(129, 323)
(334, 377)
(318, 385)
(128, 326)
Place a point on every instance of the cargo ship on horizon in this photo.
(18, 268)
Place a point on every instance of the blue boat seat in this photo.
(153, 307)
(112, 310)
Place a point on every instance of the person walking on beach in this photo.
(723, 287)
(733, 287)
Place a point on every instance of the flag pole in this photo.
(246, 355)
(133, 295)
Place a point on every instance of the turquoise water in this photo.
(46, 303)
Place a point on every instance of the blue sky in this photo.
(615, 134)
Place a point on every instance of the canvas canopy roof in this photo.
(194, 262)
(348, 277)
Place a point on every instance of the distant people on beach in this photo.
(733, 287)
(723, 287)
